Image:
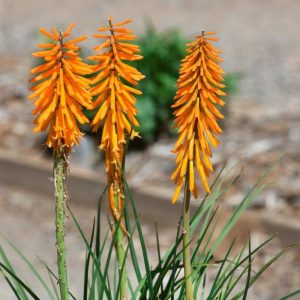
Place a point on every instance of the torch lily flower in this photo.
(60, 90)
(199, 88)
(115, 101)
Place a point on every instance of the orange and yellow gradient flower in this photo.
(199, 88)
(60, 90)
(115, 100)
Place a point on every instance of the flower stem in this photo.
(121, 257)
(60, 196)
(186, 241)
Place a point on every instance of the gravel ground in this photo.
(259, 38)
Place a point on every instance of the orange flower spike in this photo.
(59, 90)
(196, 115)
(115, 99)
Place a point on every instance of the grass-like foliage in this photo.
(230, 277)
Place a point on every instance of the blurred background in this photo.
(261, 46)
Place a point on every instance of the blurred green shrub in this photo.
(162, 53)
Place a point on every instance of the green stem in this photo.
(121, 257)
(186, 241)
(60, 196)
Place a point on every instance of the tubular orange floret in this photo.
(59, 90)
(115, 101)
(196, 115)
